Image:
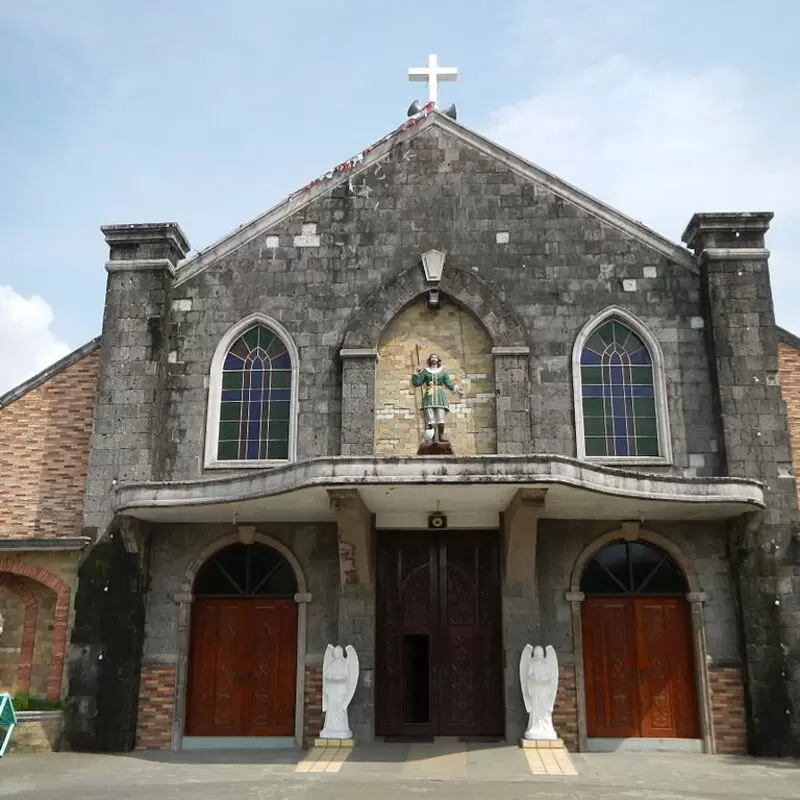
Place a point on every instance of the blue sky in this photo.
(207, 113)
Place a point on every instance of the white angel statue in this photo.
(538, 676)
(339, 679)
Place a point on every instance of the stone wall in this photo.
(359, 267)
(44, 453)
(465, 350)
(37, 732)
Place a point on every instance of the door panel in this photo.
(243, 668)
(273, 668)
(609, 657)
(665, 673)
(219, 653)
(439, 599)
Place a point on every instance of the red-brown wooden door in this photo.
(243, 667)
(638, 668)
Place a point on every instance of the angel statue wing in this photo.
(352, 672)
(551, 659)
(326, 662)
(524, 661)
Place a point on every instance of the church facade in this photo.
(620, 484)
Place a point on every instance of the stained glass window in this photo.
(618, 394)
(249, 570)
(256, 398)
(632, 568)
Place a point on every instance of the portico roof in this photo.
(478, 487)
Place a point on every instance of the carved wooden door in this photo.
(638, 667)
(219, 658)
(664, 669)
(439, 647)
(243, 667)
(273, 669)
(609, 654)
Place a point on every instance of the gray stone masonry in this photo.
(561, 266)
(132, 395)
(755, 444)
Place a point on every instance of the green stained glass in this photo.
(227, 451)
(230, 411)
(278, 449)
(281, 379)
(279, 410)
(593, 407)
(232, 379)
(594, 426)
(592, 376)
(647, 445)
(596, 446)
(642, 376)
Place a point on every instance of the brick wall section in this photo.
(565, 711)
(312, 705)
(156, 707)
(728, 709)
(789, 376)
(44, 453)
(465, 350)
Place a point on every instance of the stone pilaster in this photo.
(358, 401)
(512, 383)
(520, 596)
(357, 600)
(128, 436)
(755, 444)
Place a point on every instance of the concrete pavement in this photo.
(446, 772)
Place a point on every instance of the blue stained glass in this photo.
(589, 358)
(615, 347)
(253, 370)
(233, 362)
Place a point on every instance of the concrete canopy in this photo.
(474, 489)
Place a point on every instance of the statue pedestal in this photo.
(542, 744)
(334, 742)
(435, 449)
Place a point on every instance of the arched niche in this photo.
(465, 348)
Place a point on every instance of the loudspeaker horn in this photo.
(451, 112)
(414, 109)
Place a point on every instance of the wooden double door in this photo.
(243, 667)
(639, 668)
(439, 639)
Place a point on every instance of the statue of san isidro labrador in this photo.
(434, 379)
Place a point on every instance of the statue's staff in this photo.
(421, 395)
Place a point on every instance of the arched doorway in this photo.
(243, 660)
(637, 645)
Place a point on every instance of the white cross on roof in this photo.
(433, 73)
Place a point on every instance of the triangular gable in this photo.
(367, 158)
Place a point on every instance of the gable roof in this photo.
(48, 372)
(788, 338)
(375, 153)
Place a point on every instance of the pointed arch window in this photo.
(621, 410)
(252, 397)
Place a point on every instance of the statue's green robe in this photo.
(434, 383)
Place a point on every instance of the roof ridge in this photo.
(40, 377)
(430, 115)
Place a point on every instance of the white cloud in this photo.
(660, 144)
(27, 345)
